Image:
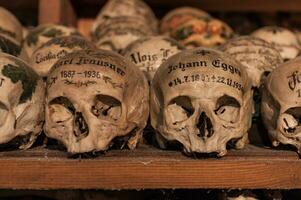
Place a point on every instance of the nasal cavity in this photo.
(81, 129)
(205, 126)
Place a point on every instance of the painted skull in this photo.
(256, 55)
(205, 31)
(127, 8)
(149, 53)
(281, 104)
(43, 33)
(50, 52)
(284, 40)
(202, 99)
(117, 33)
(94, 100)
(178, 16)
(21, 102)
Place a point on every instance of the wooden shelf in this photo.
(150, 168)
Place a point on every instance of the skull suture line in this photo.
(94, 97)
(21, 102)
(202, 99)
(281, 104)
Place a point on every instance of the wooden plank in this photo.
(56, 12)
(149, 168)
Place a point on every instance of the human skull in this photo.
(43, 33)
(21, 102)
(256, 55)
(284, 40)
(149, 53)
(10, 27)
(45, 56)
(203, 31)
(179, 16)
(117, 33)
(281, 104)
(127, 8)
(95, 98)
(202, 99)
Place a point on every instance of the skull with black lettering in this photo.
(284, 40)
(96, 99)
(21, 103)
(203, 100)
(281, 104)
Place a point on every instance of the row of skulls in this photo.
(201, 98)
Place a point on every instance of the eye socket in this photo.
(106, 107)
(292, 119)
(227, 109)
(61, 109)
(179, 109)
(3, 113)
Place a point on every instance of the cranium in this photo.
(21, 102)
(42, 34)
(117, 33)
(178, 16)
(50, 52)
(127, 8)
(202, 99)
(149, 53)
(281, 104)
(284, 40)
(203, 31)
(10, 27)
(256, 55)
(95, 98)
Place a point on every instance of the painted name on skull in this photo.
(91, 61)
(49, 56)
(293, 81)
(183, 66)
(206, 78)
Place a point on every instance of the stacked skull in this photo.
(194, 28)
(119, 23)
(94, 99)
(202, 99)
(281, 105)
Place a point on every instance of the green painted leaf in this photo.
(20, 72)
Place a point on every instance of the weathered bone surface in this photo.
(43, 33)
(256, 55)
(50, 52)
(149, 53)
(203, 31)
(117, 33)
(202, 99)
(127, 8)
(94, 97)
(10, 27)
(281, 104)
(178, 16)
(21, 102)
(284, 40)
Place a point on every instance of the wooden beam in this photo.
(149, 168)
(57, 12)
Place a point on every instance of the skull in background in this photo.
(149, 53)
(284, 40)
(21, 102)
(94, 97)
(281, 104)
(178, 16)
(43, 33)
(202, 99)
(256, 55)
